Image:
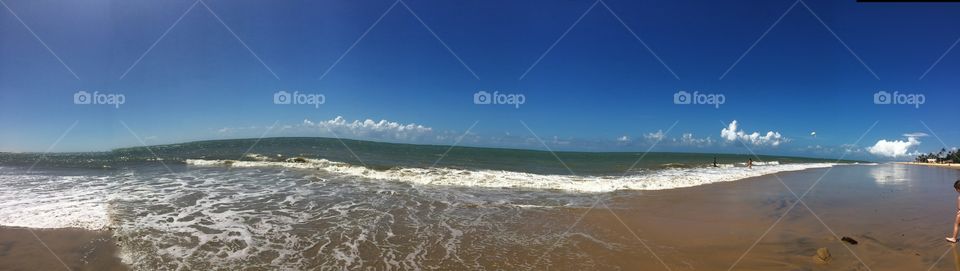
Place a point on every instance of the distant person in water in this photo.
(750, 163)
(714, 161)
(956, 221)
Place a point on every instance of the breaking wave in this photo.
(648, 179)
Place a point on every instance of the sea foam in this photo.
(53, 202)
(658, 179)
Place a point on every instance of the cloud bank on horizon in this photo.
(383, 129)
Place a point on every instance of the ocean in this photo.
(321, 203)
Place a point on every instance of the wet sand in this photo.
(898, 213)
(77, 249)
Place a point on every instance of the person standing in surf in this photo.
(956, 221)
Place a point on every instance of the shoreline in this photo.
(70, 248)
(951, 165)
(897, 215)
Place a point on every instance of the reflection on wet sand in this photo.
(956, 257)
(890, 174)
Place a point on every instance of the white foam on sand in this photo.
(52, 202)
(649, 180)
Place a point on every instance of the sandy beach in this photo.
(899, 216)
(71, 249)
(897, 213)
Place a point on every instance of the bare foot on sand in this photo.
(951, 240)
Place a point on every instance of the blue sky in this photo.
(598, 89)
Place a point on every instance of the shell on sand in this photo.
(822, 256)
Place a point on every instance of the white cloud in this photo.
(771, 138)
(659, 135)
(915, 134)
(369, 128)
(842, 149)
(238, 130)
(623, 139)
(689, 140)
(557, 141)
(850, 148)
(895, 148)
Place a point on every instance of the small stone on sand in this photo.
(849, 240)
(822, 256)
